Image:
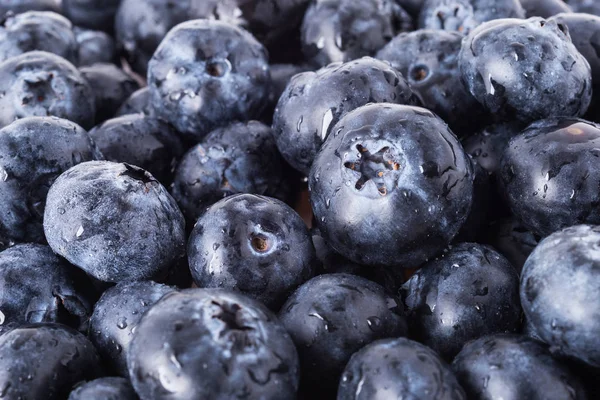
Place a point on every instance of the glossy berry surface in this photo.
(314, 102)
(549, 174)
(513, 366)
(91, 14)
(137, 102)
(239, 158)
(203, 343)
(42, 84)
(469, 292)
(344, 30)
(111, 86)
(38, 286)
(43, 361)
(406, 177)
(205, 73)
(116, 316)
(104, 389)
(397, 368)
(37, 30)
(429, 61)
(94, 47)
(142, 141)
(526, 70)
(544, 8)
(332, 316)
(560, 292)
(114, 221)
(465, 15)
(252, 244)
(34, 151)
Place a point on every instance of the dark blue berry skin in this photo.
(487, 146)
(42, 84)
(398, 369)
(143, 141)
(429, 61)
(114, 221)
(252, 244)
(560, 292)
(544, 8)
(21, 6)
(37, 30)
(392, 187)
(34, 151)
(116, 316)
(38, 286)
(94, 47)
(513, 367)
(550, 174)
(91, 14)
(584, 30)
(314, 102)
(112, 87)
(469, 292)
(331, 317)
(206, 74)
(44, 361)
(465, 15)
(140, 25)
(104, 389)
(211, 343)
(281, 75)
(138, 102)
(240, 158)
(344, 30)
(512, 240)
(525, 70)
(584, 6)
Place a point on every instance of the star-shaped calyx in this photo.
(377, 167)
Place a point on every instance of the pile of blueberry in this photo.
(299, 199)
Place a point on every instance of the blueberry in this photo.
(584, 30)
(34, 151)
(140, 25)
(314, 102)
(94, 47)
(469, 292)
(21, 6)
(560, 292)
(252, 244)
(487, 146)
(104, 389)
(429, 61)
(44, 361)
(111, 86)
(91, 14)
(483, 208)
(37, 30)
(544, 8)
(207, 73)
(140, 140)
(398, 368)
(549, 174)
(138, 102)
(344, 30)
(334, 315)
(38, 83)
(281, 75)
(392, 187)
(525, 69)
(114, 221)
(210, 343)
(116, 316)
(464, 15)
(240, 158)
(584, 6)
(38, 286)
(512, 240)
(516, 367)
